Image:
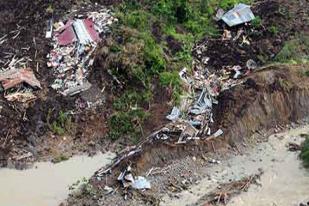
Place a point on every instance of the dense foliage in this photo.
(153, 41)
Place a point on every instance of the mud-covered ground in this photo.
(24, 127)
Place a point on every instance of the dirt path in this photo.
(283, 182)
(47, 184)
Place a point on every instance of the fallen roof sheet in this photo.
(13, 77)
(240, 14)
(67, 35)
(81, 30)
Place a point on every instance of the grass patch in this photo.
(128, 124)
(153, 40)
(295, 50)
(304, 155)
(62, 123)
(83, 188)
(227, 4)
(128, 117)
(273, 29)
(306, 73)
(60, 158)
(172, 80)
(257, 22)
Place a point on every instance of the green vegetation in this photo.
(62, 124)
(306, 73)
(49, 9)
(226, 4)
(274, 30)
(304, 155)
(60, 158)
(129, 116)
(153, 40)
(295, 50)
(172, 80)
(257, 22)
(83, 187)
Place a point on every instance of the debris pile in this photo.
(74, 43)
(14, 77)
(293, 147)
(18, 81)
(127, 179)
(193, 118)
(226, 191)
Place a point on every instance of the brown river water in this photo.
(47, 184)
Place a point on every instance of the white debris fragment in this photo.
(49, 31)
(108, 190)
(218, 133)
(175, 114)
(141, 183)
(203, 103)
(251, 64)
(219, 14)
(237, 70)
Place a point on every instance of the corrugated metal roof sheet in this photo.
(240, 14)
(81, 30)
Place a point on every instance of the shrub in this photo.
(130, 99)
(172, 10)
(257, 22)
(173, 80)
(227, 4)
(153, 56)
(170, 79)
(62, 124)
(129, 116)
(126, 123)
(60, 158)
(182, 11)
(273, 29)
(137, 19)
(304, 155)
(295, 50)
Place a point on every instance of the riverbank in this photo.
(284, 181)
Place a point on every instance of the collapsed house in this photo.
(19, 81)
(74, 43)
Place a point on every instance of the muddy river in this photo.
(47, 184)
(284, 181)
